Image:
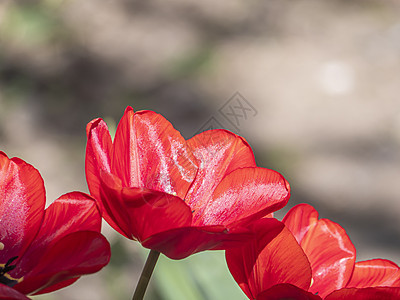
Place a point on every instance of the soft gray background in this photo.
(323, 77)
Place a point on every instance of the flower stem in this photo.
(146, 274)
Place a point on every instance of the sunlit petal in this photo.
(300, 219)
(372, 293)
(150, 153)
(98, 160)
(375, 272)
(70, 213)
(22, 201)
(271, 258)
(331, 255)
(243, 195)
(219, 152)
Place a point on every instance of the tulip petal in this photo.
(243, 195)
(57, 286)
(98, 153)
(222, 150)
(384, 293)
(98, 159)
(141, 213)
(72, 256)
(375, 272)
(179, 243)
(273, 257)
(155, 212)
(150, 153)
(8, 293)
(70, 213)
(219, 153)
(300, 219)
(331, 255)
(114, 208)
(327, 246)
(22, 201)
(286, 291)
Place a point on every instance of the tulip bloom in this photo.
(42, 250)
(306, 258)
(175, 196)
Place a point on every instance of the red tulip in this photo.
(175, 196)
(42, 250)
(306, 258)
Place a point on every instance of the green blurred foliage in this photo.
(193, 64)
(31, 24)
(201, 276)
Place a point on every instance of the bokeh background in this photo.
(312, 85)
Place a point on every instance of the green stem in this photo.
(146, 274)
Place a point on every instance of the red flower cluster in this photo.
(180, 197)
(306, 258)
(175, 196)
(42, 250)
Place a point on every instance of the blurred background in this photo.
(313, 85)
